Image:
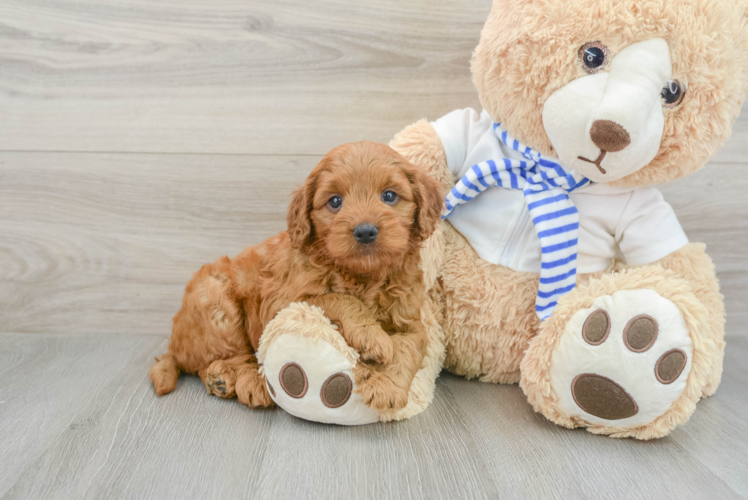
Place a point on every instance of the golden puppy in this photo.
(352, 248)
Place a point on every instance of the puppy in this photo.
(352, 248)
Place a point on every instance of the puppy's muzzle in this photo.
(365, 233)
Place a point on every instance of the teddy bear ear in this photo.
(744, 31)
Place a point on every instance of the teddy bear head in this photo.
(627, 92)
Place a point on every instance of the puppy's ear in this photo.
(300, 227)
(428, 197)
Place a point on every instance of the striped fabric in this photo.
(546, 186)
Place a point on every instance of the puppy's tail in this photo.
(164, 374)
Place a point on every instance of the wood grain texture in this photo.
(46, 380)
(127, 443)
(517, 444)
(105, 243)
(141, 139)
(228, 76)
(107, 435)
(712, 208)
(232, 76)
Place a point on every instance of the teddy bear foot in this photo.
(623, 362)
(308, 368)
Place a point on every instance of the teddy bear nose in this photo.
(365, 233)
(609, 136)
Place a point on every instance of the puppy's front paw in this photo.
(375, 347)
(251, 390)
(382, 394)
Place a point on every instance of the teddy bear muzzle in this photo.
(610, 124)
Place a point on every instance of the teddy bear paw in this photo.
(624, 361)
(312, 380)
(308, 369)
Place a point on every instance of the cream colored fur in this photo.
(309, 322)
(489, 319)
(526, 53)
(481, 317)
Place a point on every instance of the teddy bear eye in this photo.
(335, 202)
(594, 56)
(673, 93)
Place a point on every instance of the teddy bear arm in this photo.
(420, 144)
(356, 324)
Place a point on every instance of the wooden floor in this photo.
(79, 419)
(141, 139)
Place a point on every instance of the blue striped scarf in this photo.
(546, 186)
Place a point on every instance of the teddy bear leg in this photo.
(627, 355)
(488, 315)
(312, 373)
(308, 368)
(692, 263)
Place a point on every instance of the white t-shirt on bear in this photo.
(634, 223)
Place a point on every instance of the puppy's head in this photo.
(365, 207)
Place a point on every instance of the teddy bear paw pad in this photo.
(336, 390)
(293, 380)
(311, 379)
(624, 361)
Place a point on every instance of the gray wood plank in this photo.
(232, 76)
(46, 380)
(105, 243)
(530, 457)
(476, 440)
(717, 435)
(429, 456)
(127, 443)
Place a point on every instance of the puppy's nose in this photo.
(609, 136)
(365, 233)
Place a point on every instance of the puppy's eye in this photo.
(389, 197)
(673, 94)
(335, 202)
(594, 56)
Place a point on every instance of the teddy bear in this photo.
(558, 265)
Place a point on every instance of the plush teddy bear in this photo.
(559, 266)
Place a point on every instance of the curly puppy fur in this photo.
(373, 291)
